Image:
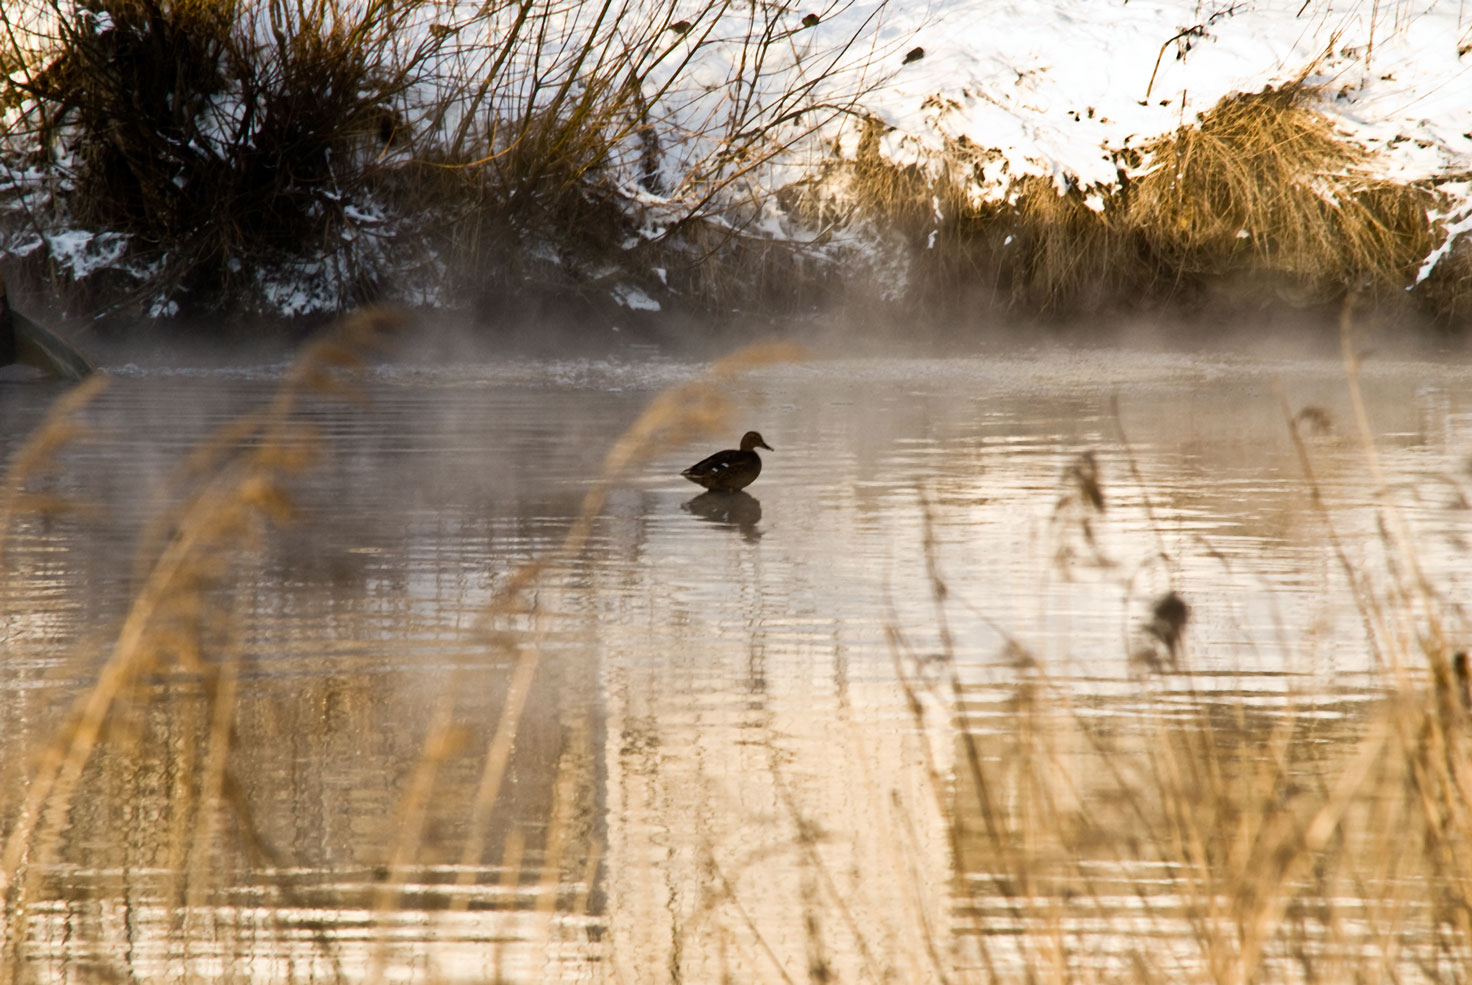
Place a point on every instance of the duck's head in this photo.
(751, 440)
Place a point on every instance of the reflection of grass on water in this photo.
(1206, 841)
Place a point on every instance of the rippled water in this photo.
(745, 723)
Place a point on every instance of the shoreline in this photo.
(1264, 172)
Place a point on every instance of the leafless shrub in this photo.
(280, 157)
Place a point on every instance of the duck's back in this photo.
(726, 470)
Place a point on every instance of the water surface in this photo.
(744, 726)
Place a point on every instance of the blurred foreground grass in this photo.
(1184, 836)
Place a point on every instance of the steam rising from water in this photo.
(718, 743)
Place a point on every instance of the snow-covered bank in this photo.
(1061, 88)
(671, 138)
(1066, 89)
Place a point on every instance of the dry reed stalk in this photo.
(497, 758)
(550, 879)
(230, 485)
(1272, 847)
(224, 686)
(1205, 799)
(1370, 612)
(1430, 736)
(235, 497)
(1401, 544)
(673, 417)
(36, 454)
(1264, 178)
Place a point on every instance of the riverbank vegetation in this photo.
(181, 159)
(1258, 199)
(214, 162)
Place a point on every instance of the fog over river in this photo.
(758, 737)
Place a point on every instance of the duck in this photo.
(730, 470)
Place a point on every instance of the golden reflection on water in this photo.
(875, 719)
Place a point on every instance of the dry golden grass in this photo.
(175, 624)
(37, 454)
(1061, 253)
(1223, 842)
(1263, 181)
(1218, 844)
(1260, 189)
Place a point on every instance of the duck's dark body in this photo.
(732, 469)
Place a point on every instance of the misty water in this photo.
(742, 721)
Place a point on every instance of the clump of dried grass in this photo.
(1260, 189)
(1054, 252)
(1263, 183)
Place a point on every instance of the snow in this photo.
(1458, 221)
(634, 299)
(85, 252)
(1058, 88)
(1053, 88)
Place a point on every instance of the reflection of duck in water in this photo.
(735, 509)
(732, 469)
